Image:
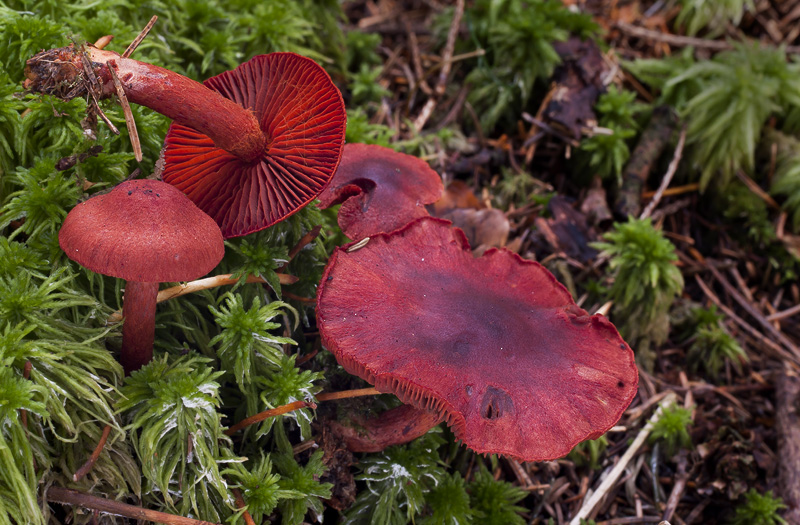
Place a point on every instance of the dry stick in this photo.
(779, 352)
(447, 62)
(758, 316)
(138, 40)
(204, 284)
(683, 41)
(616, 472)
(755, 188)
(86, 467)
(297, 405)
(680, 485)
(671, 169)
(783, 314)
(788, 423)
(126, 110)
(649, 148)
(116, 508)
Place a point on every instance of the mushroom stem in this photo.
(204, 284)
(393, 427)
(138, 331)
(230, 126)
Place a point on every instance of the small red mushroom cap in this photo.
(381, 189)
(142, 230)
(494, 344)
(302, 116)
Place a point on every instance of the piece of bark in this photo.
(651, 144)
(567, 231)
(595, 205)
(788, 423)
(579, 81)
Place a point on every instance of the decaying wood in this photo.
(788, 423)
(654, 139)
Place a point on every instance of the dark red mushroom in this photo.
(146, 232)
(393, 427)
(250, 147)
(494, 344)
(381, 190)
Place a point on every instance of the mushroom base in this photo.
(139, 325)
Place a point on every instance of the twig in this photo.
(616, 472)
(204, 284)
(783, 314)
(116, 508)
(447, 62)
(126, 110)
(671, 169)
(682, 41)
(86, 467)
(138, 40)
(780, 353)
(758, 316)
(680, 485)
(755, 188)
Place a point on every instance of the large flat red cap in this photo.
(142, 230)
(495, 344)
(303, 119)
(381, 190)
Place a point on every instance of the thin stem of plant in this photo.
(116, 508)
(261, 416)
(86, 467)
(237, 496)
(297, 405)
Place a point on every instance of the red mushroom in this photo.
(494, 344)
(146, 232)
(381, 190)
(250, 147)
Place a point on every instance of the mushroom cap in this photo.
(302, 115)
(494, 344)
(381, 190)
(142, 230)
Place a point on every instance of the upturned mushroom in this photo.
(380, 190)
(249, 147)
(146, 232)
(494, 345)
